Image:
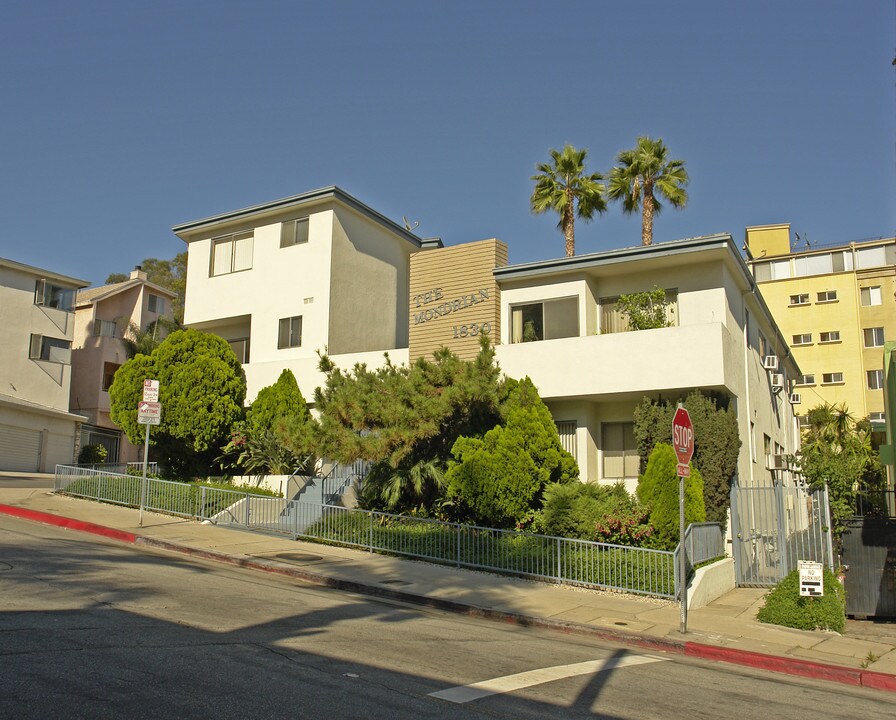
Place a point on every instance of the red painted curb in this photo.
(83, 526)
(790, 666)
(878, 681)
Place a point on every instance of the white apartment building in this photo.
(103, 316)
(282, 280)
(322, 271)
(36, 429)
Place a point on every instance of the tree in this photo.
(564, 187)
(405, 420)
(716, 443)
(836, 451)
(658, 490)
(201, 388)
(277, 403)
(645, 310)
(498, 479)
(169, 274)
(643, 172)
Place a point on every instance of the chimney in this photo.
(137, 273)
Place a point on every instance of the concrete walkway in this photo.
(726, 630)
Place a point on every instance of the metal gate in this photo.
(772, 528)
(869, 553)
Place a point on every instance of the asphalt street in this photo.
(93, 629)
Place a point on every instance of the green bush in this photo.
(784, 605)
(588, 511)
(92, 455)
(658, 490)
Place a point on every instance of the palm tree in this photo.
(644, 172)
(564, 187)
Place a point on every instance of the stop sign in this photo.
(683, 436)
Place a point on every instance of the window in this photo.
(804, 339)
(49, 295)
(620, 450)
(764, 350)
(832, 336)
(875, 379)
(805, 379)
(802, 299)
(613, 320)
(109, 374)
(50, 349)
(803, 421)
(104, 328)
(827, 296)
(753, 441)
(871, 257)
(780, 269)
(874, 337)
(870, 295)
(290, 332)
(546, 320)
(155, 304)
(294, 232)
(831, 378)
(241, 348)
(813, 265)
(766, 444)
(877, 417)
(566, 429)
(232, 253)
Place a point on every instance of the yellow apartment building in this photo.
(836, 306)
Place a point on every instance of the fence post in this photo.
(247, 509)
(457, 544)
(558, 561)
(370, 531)
(202, 502)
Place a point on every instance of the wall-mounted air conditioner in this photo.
(777, 380)
(776, 462)
(770, 362)
(795, 399)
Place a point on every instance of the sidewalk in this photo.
(726, 630)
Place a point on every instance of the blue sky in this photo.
(121, 119)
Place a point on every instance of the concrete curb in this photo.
(774, 663)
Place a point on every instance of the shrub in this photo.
(785, 606)
(92, 455)
(588, 511)
(658, 490)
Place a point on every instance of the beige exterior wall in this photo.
(454, 298)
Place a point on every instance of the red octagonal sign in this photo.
(683, 436)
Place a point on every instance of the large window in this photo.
(290, 334)
(620, 450)
(870, 295)
(294, 232)
(875, 379)
(105, 328)
(50, 349)
(155, 304)
(49, 295)
(547, 320)
(874, 337)
(232, 253)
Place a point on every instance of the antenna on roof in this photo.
(408, 226)
(804, 238)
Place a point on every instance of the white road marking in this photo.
(509, 683)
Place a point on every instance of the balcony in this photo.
(627, 364)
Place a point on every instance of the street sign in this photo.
(150, 391)
(149, 413)
(811, 579)
(683, 439)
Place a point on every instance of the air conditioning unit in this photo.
(776, 462)
(777, 381)
(770, 362)
(795, 399)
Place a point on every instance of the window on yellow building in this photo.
(874, 337)
(831, 336)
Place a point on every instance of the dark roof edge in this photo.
(577, 262)
(330, 192)
(48, 274)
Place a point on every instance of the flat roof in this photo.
(331, 192)
(48, 274)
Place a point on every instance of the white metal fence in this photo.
(579, 562)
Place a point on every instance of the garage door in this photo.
(19, 449)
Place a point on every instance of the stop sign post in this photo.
(683, 443)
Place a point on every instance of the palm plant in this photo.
(138, 341)
(643, 173)
(563, 186)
